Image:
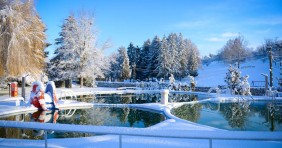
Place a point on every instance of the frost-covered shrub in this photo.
(236, 83)
(232, 78)
(244, 87)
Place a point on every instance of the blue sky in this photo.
(208, 23)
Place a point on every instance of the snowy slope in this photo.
(213, 74)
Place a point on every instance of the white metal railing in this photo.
(68, 113)
(68, 93)
(146, 132)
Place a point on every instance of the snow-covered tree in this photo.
(236, 83)
(114, 69)
(192, 83)
(145, 59)
(90, 59)
(137, 72)
(153, 55)
(78, 54)
(160, 58)
(22, 39)
(134, 56)
(232, 79)
(97, 65)
(163, 62)
(235, 50)
(171, 80)
(174, 60)
(244, 87)
(184, 54)
(182, 57)
(123, 64)
(64, 65)
(131, 52)
(193, 61)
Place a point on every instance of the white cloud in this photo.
(271, 20)
(222, 37)
(229, 34)
(199, 23)
(215, 39)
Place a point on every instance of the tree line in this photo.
(157, 58)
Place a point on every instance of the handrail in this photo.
(146, 132)
(68, 113)
(68, 93)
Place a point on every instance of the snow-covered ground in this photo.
(213, 74)
(170, 126)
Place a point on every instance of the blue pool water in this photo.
(237, 116)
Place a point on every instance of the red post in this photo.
(14, 89)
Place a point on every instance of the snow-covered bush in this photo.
(244, 87)
(236, 83)
(233, 78)
(192, 83)
(171, 79)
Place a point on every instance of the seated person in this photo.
(41, 100)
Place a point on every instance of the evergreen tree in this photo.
(182, 57)
(193, 61)
(163, 62)
(138, 67)
(64, 65)
(77, 55)
(173, 55)
(131, 51)
(145, 59)
(186, 45)
(173, 58)
(133, 57)
(123, 64)
(114, 71)
(153, 55)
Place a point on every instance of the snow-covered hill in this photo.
(213, 74)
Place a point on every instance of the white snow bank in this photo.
(214, 74)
